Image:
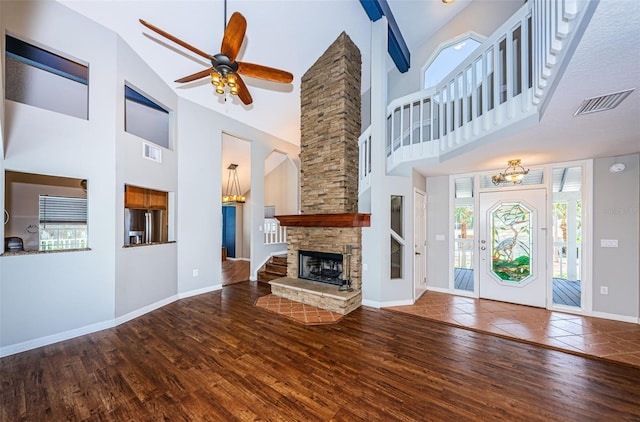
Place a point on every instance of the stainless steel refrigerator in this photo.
(144, 226)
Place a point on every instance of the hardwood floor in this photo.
(235, 271)
(217, 357)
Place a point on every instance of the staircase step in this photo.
(276, 269)
(266, 276)
(279, 259)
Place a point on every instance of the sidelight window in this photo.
(397, 240)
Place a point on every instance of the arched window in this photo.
(447, 57)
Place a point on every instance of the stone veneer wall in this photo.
(330, 126)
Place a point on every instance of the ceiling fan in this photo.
(225, 70)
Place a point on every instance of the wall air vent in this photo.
(151, 152)
(602, 103)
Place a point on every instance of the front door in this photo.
(513, 246)
(419, 250)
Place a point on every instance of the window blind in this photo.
(61, 209)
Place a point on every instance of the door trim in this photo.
(419, 287)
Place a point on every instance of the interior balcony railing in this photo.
(505, 82)
(274, 233)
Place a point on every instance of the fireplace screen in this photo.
(320, 266)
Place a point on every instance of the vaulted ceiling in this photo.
(292, 34)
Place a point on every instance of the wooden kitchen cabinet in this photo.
(135, 197)
(157, 200)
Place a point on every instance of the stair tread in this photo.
(275, 268)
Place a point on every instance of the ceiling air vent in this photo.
(602, 103)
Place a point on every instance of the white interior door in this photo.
(512, 246)
(420, 241)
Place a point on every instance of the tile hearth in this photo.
(300, 312)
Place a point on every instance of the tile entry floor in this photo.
(602, 338)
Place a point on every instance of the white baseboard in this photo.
(439, 289)
(54, 338)
(99, 326)
(374, 304)
(201, 291)
(615, 317)
(145, 310)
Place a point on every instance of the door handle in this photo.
(417, 253)
(482, 248)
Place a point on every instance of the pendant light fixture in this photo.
(232, 195)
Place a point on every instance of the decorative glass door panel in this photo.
(512, 246)
(511, 242)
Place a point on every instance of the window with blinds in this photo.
(63, 223)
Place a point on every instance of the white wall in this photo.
(616, 200)
(438, 268)
(52, 296)
(55, 294)
(199, 194)
(146, 275)
(281, 188)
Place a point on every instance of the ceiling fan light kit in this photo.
(225, 71)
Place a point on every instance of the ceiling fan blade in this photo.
(264, 72)
(176, 40)
(196, 76)
(233, 36)
(243, 91)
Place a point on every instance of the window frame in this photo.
(444, 45)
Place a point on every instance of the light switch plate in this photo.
(439, 237)
(609, 243)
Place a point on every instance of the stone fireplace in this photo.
(329, 224)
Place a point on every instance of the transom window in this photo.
(448, 58)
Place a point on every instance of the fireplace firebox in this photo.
(320, 266)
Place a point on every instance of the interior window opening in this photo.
(36, 76)
(146, 118)
(45, 213)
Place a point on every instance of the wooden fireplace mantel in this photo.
(325, 220)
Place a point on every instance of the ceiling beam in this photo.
(397, 47)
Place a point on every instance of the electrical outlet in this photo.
(604, 290)
(195, 272)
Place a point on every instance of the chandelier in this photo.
(514, 173)
(232, 194)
